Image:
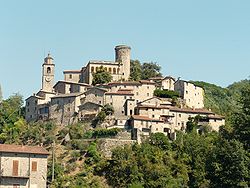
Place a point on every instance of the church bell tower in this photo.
(48, 74)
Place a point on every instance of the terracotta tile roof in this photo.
(72, 71)
(189, 110)
(9, 148)
(144, 118)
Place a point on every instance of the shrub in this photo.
(166, 94)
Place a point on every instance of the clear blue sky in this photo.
(196, 40)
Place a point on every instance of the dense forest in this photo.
(209, 160)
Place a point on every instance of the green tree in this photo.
(101, 76)
(241, 119)
(160, 140)
(150, 70)
(135, 70)
(228, 165)
(166, 94)
(108, 109)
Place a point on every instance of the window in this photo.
(114, 70)
(153, 109)
(122, 112)
(148, 87)
(48, 70)
(179, 115)
(34, 166)
(28, 103)
(166, 130)
(118, 70)
(28, 110)
(68, 109)
(186, 92)
(100, 102)
(106, 69)
(147, 94)
(96, 69)
(70, 76)
(125, 97)
(156, 129)
(110, 70)
(35, 102)
(141, 122)
(92, 69)
(137, 93)
(153, 116)
(15, 168)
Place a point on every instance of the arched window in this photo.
(118, 70)
(106, 69)
(48, 70)
(114, 70)
(92, 69)
(110, 70)
(96, 69)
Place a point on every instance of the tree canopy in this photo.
(101, 76)
(144, 71)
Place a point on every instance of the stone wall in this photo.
(106, 145)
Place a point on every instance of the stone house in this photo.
(119, 100)
(176, 118)
(65, 87)
(192, 94)
(142, 89)
(23, 166)
(143, 126)
(165, 83)
(72, 75)
(64, 108)
(88, 110)
(95, 95)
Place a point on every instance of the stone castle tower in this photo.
(48, 74)
(122, 55)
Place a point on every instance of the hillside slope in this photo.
(222, 100)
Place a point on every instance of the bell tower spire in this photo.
(48, 74)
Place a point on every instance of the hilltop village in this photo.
(135, 107)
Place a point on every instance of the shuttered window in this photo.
(34, 166)
(15, 168)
